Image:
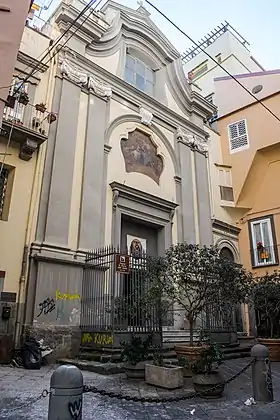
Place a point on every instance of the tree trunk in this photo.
(191, 330)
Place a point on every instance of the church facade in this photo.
(126, 160)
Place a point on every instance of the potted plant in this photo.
(10, 101)
(184, 363)
(265, 298)
(134, 354)
(163, 375)
(23, 98)
(41, 107)
(51, 117)
(207, 379)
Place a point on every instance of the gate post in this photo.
(66, 394)
(261, 374)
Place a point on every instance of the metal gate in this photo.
(114, 299)
(219, 323)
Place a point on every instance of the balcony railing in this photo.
(262, 256)
(27, 116)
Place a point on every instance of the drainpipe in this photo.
(31, 213)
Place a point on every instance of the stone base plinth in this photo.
(64, 340)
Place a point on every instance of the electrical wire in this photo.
(213, 59)
(85, 9)
(56, 52)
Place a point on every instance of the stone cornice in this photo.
(137, 97)
(220, 225)
(122, 190)
(192, 141)
(31, 62)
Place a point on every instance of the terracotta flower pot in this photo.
(193, 354)
(209, 384)
(135, 371)
(273, 345)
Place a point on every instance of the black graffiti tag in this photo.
(75, 409)
(47, 306)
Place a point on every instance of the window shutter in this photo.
(238, 136)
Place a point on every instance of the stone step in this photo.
(233, 356)
(103, 368)
(115, 357)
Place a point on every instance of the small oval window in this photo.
(257, 89)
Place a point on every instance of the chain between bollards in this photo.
(156, 400)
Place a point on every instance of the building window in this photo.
(139, 74)
(6, 183)
(198, 70)
(2, 279)
(238, 136)
(219, 58)
(225, 184)
(263, 246)
(227, 253)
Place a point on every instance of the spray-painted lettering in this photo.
(87, 338)
(103, 339)
(75, 409)
(47, 306)
(66, 296)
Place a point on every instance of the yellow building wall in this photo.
(13, 231)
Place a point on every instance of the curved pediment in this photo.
(137, 29)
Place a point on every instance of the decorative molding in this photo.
(146, 116)
(99, 88)
(85, 80)
(142, 197)
(194, 142)
(115, 198)
(27, 149)
(171, 215)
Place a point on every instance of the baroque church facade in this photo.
(126, 159)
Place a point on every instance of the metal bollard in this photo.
(66, 394)
(261, 374)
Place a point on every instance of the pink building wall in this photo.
(13, 15)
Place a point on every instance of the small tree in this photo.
(265, 298)
(198, 277)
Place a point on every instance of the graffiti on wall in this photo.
(97, 338)
(66, 296)
(46, 306)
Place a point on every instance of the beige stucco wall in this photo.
(117, 172)
(13, 231)
(255, 172)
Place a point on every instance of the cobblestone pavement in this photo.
(19, 386)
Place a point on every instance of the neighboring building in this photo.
(126, 160)
(227, 47)
(231, 50)
(251, 156)
(13, 15)
(24, 129)
(250, 149)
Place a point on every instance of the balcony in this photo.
(264, 256)
(29, 124)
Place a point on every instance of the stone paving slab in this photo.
(19, 386)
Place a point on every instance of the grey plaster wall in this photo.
(57, 226)
(58, 294)
(203, 200)
(187, 210)
(45, 190)
(91, 222)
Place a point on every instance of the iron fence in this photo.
(116, 299)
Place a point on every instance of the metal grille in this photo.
(3, 188)
(238, 135)
(115, 303)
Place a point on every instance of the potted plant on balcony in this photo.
(41, 107)
(134, 354)
(51, 117)
(202, 281)
(23, 98)
(265, 298)
(207, 379)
